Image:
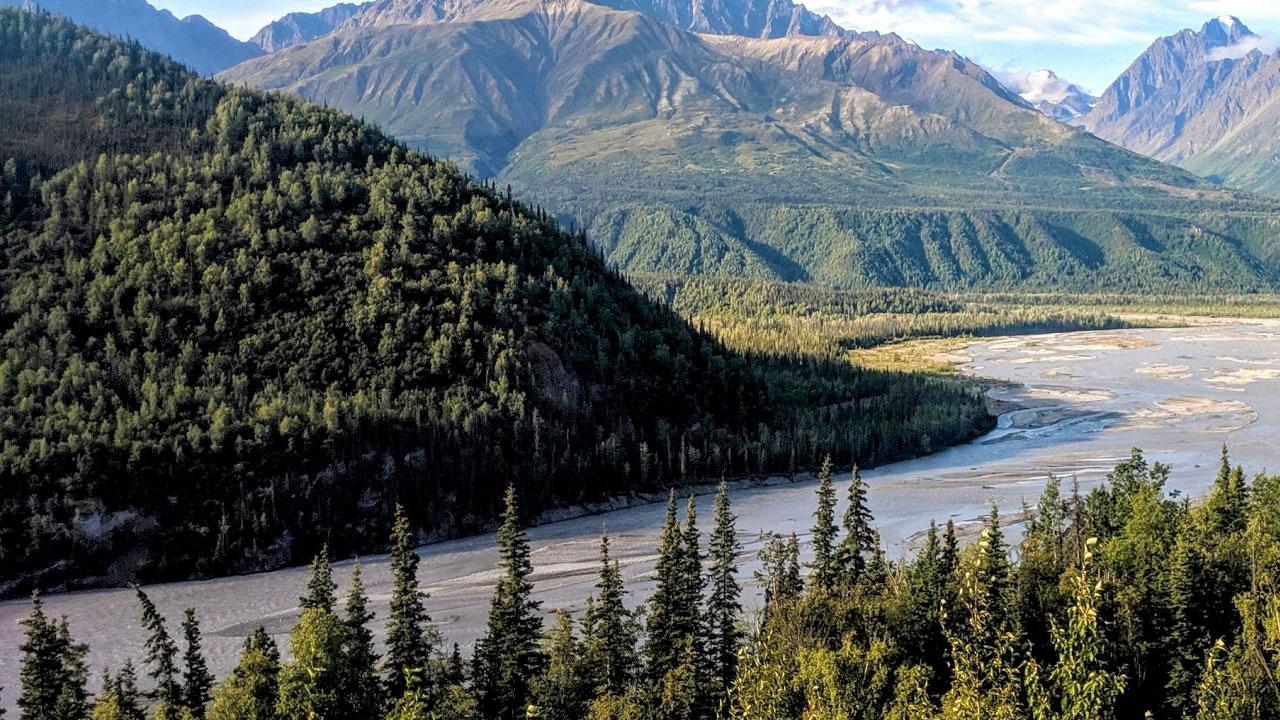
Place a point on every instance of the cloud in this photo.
(1064, 22)
(1264, 45)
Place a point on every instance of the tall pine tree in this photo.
(360, 681)
(197, 682)
(321, 588)
(724, 605)
(858, 545)
(662, 650)
(510, 657)
(52, 672)
(162, 654)
(610, 643)
(409, 646)
(824, 572)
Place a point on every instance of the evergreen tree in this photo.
(252, 689)
(454, 670)
(858, 544)
(610, 638)
(52, 673)
(162, 654)
(360, 683)
(792, 582)
(311, 683)
(662, 648)
(125, 686)
(321, 588)
(408, 646)
(509, 657)
(561, 693)
(724, 606)
(197, 682)
(824, 572)
(949, 557)
(993, 576)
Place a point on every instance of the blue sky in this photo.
(1086, 41)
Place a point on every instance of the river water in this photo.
(1082, 401)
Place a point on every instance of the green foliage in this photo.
(508, 658)
(409, 642)
(197, 682)
(299, 318)
(162, 654)
(311, 683)
(360, 683)
(824, 570)
(321, 587)
(609, 631)
(724, 605)
(251, 691)
(52, 672)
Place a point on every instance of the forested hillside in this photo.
(237, 326)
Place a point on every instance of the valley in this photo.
(1072, 403)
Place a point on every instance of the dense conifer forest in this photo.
(1126, 602)
(237, 327)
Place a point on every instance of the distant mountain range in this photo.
(1208, 101)
(300, 28)
(192, 40)
(755, 137)
(772, 144)
(1045, 91)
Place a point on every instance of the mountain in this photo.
(236, 326)
(748, 18)
(192, 40)
(1206, 100)
(1045, 91)
(850, 160)
(300, 28)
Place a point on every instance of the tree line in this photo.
(1125, 602)
(228, 320)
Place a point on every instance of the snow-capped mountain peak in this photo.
(1052, 95)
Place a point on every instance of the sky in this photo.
(1088, 42)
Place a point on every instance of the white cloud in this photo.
(1244, 47)
(1067, 22)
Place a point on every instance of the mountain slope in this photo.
(192, 40)
(1202, 100)
(235, 326)
(853, 160)
(300, 28)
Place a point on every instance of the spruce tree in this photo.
(40, 669)
(360, 681)
(858, 545)
(52, 673)
(321, 588)
(609, 639)
(792, 581)
(252, 689)
(949, 556)
(73, 697)
(561, 693)
(408, 644)
(823, 571)
(311, 683)
(724, 602)
(994, 573)
(196, 680)
(509, 656)
(125, 686)
(454, 670)
(162, 654)
(662, 644)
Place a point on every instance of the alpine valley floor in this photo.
(1073, 404)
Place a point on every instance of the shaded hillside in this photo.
(850, 160)
(217, 354)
